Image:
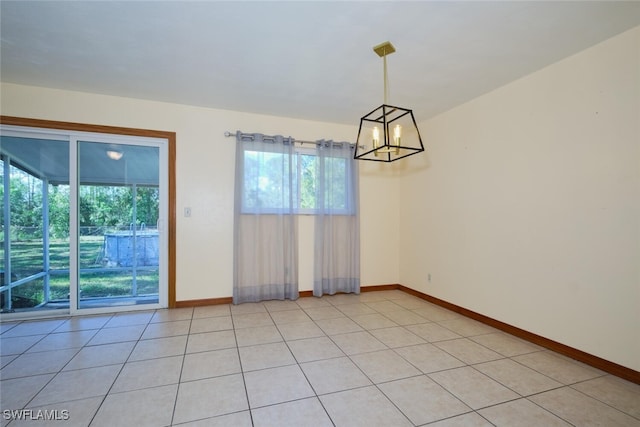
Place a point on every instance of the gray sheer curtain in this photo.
(337, 223)
(265, 228)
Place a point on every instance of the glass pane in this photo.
(35, 224)
(26, 223)
(2, 254)
(118, 214)
(266, 181)
(336, 183)
(308, 168)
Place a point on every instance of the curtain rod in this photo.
(230, 134)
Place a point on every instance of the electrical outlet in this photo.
(187, 212)
(429, 277)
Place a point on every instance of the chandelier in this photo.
(387, 133)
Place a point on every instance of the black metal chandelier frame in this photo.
(391, 146)
(385, 116)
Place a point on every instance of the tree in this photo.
(147, 205)
(59, 211)
(25, 200)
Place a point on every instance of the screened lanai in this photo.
(80, 220)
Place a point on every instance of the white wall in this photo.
(204, 169)
(527, 206)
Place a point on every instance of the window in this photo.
(267, 187)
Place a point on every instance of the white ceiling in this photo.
(303, 59)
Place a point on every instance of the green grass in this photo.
(117, 284)
(26, 255)
(26, 259)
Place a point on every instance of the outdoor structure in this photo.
(129, 248)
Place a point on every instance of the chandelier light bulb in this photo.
(376, 137)
(397, 131)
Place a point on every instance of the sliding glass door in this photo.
(84, 222)
(118, 218)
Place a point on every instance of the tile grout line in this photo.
(55, 375)
(184, 357)
(244, 380)
(304, 374)
(104, 398)
(597, 399)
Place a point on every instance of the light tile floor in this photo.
(376, 359)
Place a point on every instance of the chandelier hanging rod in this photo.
(384, 49)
